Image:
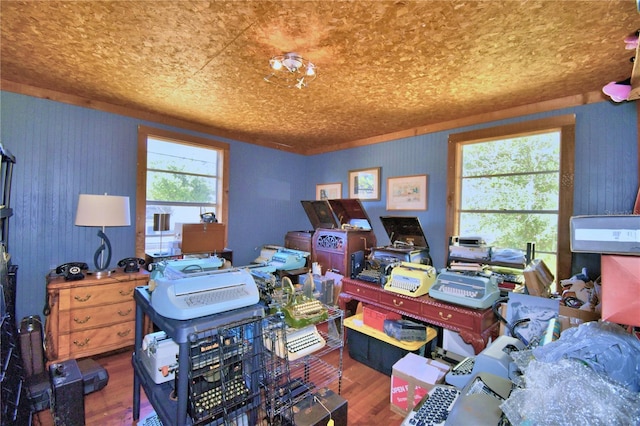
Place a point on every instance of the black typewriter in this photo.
(365, 270)
(373, 276)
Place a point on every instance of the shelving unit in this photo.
(315, 370)
(226, 372)
(13, 401)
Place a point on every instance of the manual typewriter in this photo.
(365, 270)
(411, 279)
(293, 344)
(301, 310)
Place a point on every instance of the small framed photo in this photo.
(407, 193)
(364, 184)
(328, 191)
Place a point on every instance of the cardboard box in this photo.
(374, 317)
(412, 378)
(580, 314)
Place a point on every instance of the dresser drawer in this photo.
(361, 291)
(96, 295)
(449, 314)
(91, 317)
(403, 303)
(89, 342)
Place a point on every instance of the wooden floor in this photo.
(365, 389)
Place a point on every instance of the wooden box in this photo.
(201, 237)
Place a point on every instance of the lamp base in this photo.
(101, 274)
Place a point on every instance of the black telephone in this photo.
(72, 271)
(208, 217)
(131, 264)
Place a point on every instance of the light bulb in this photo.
(276, 64)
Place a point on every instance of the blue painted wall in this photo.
(64, 150)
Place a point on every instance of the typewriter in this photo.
(411, 279)
(365, 271)
(478, 404)
(301, 310)
(474, 290)
(495, 359)
(180, 296)
(293, 343)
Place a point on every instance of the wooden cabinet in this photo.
(298, 240)
(90, 316)
(332, 248)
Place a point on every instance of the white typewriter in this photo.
(295, 343)
(185, 297)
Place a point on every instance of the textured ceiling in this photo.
(383, 66)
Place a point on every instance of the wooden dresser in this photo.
(90, 316)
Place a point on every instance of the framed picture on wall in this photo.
(407, 193)
(328, 191)
(364, 184)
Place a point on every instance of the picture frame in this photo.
(407, 192)
(328, 191)
(364, 184)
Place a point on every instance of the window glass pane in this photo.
(181, 187)
(526, 154)
(182, 180)
(512, 192)
(162, 155)
(512, 230)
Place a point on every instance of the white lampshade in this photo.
(103, 210)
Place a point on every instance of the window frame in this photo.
(144, 132)
(566, 125)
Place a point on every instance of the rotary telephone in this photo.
(131, 264)
(208, 217)
(72, 271)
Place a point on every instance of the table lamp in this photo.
(102, 211)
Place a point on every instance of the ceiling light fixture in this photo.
(291, 70)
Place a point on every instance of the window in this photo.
(181, 175)
(514, 184)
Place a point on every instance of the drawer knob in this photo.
(81, 344)
(396, 303)
(124, 333)
(124, 314)
(80, 321)
(126, 293)
(83, 299)
(443, 317)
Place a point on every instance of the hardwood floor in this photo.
(365, 389)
